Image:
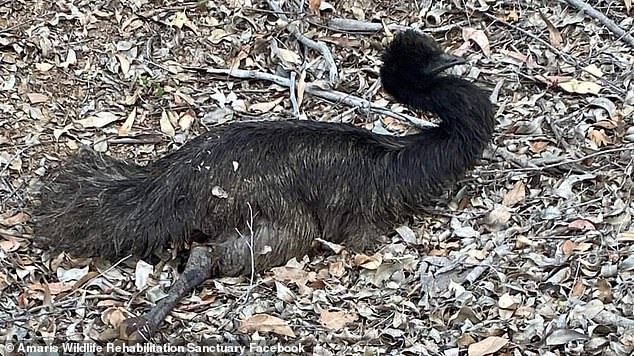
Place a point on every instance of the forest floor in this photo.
(531, 254)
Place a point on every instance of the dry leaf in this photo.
(553, 33)
(98, 120)
(173, 118)
(464, 340)
(43, 67)
(507, 301)
(166, 126)
(605, 291)
(284, 293)
(487, 346)
(113, 316)
(368, 262)
(598, 137)
(127, 125)
(301, 88)
(100, 143)
(124, 63)
(498, 217)
(265, 106)
(578, 289)
(142, 274)
(477, 36)
(583, 246)
(243, 54)
(313, 6)
(336, 320)
(580, 87)
(325, 6)
(292, 274)
(179, 20)
(515, 195)
(217, 35)
(594, 70)
(288, 56)
(358, 13)
(336, 269)
(186, 121)
(15, 219)
(581, 225)
(519, 57)
(607, 124)
(568, 247)
(538, 146)
(265, 323)
(553, 80)
(9, 244)
(628, 5)
(36, 98)
(54, 288)
(218, 192)
(564, 336)
(627, 236)
(336, 248)
(512, 16)
(71, 58)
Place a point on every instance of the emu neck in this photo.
(440, 155)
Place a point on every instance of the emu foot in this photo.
(137, 329)
(142, 328)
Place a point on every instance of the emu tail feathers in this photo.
(89, 207)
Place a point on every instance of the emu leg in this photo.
(197, 270)
(232, 257)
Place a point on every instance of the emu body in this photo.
(280, 184)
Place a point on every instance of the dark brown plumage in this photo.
(300, 180)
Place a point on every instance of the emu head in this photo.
(413, 52)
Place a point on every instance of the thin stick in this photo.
(349, 25)
(565, 56)
(319, 92)
(509, 156)
(611, 25)
(317, 46)
(568, 161)
(250, 244)
(293, 94)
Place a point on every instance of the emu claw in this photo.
(135, 330)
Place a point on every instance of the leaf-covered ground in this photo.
(530, 254)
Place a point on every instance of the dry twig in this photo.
(611, 25)
(349, 25)
(316, 90)
(565, 56)
(317, 46)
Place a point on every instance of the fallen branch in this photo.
(348, 25)
(316, 90)
(317, 46)
(607, 22)
(565, 56)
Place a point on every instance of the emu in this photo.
(280, 184)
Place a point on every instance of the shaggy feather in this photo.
(301, 179)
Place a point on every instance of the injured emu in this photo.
(300, 179)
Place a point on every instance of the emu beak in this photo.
(443, 62)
